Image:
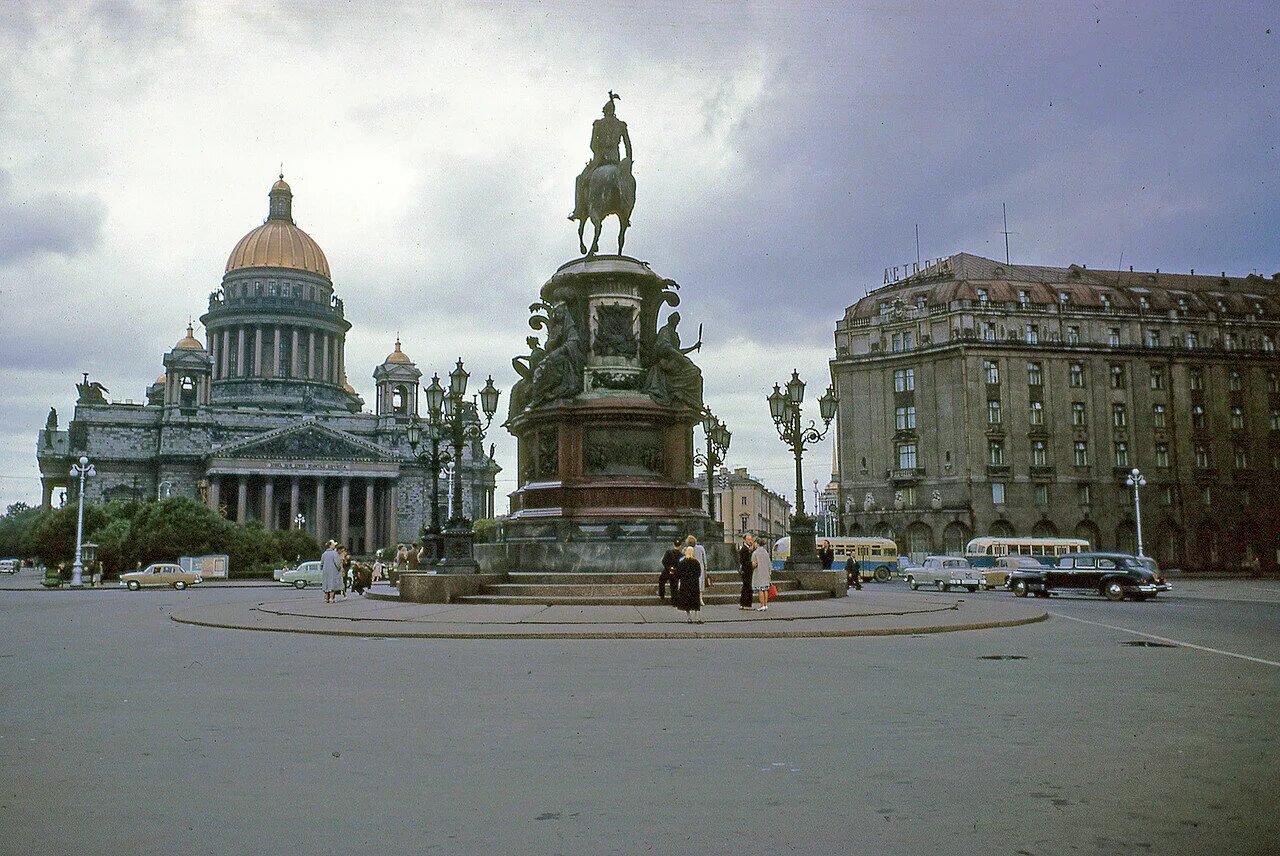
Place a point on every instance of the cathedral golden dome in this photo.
(189, 342)
(397, 356)
(162, 379)
(279, 242)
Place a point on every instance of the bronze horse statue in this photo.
(610, 190)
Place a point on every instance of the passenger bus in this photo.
(874, 558)
(983, 552)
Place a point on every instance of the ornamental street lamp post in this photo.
(784, 407)
(299, 521)
(434, 460)
(460, 420)
(80, 470)
(718, 437)
(1136, 480)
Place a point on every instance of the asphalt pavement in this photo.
(123, 730)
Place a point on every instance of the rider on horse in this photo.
(606, 134)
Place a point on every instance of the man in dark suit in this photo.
(670, 559)
(744, 568)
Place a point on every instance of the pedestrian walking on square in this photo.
(670, 559)
(826, 555)
(744, 570)
(331, 570)
(699, 553)
(346, 568)
(761, 575)
(378, 568)
(687, 596)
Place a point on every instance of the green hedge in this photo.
(133, 533)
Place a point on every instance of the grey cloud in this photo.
(53, 222)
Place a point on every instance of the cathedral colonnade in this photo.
(358, 511)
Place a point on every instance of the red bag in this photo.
(773, 591)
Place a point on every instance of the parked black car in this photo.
(1115, 576)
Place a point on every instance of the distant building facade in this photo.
(744, 506)
(984, 398)
(262, 423)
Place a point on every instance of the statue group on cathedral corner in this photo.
(606, 185)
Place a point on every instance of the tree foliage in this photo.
(14, 526)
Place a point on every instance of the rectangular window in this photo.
(1077, 413)
(908, 341)
(1035, 413)
(982, 295)
(1157, 379)
(907, 456)
(1193, 340)
(1042, 494)
(1237, 418)
(1197, 416)
(993, 412)
(1206, 496)
(1196, 379)
(896, 345)
(1034, 374)
(1166, 495)
(1122, 454)
(1162, 455)
(1274, 420)
(1073, 335)
(1202, 457)
(1158, 416)
(1241, 459)
(1076, 375)
(1033, 334)
(1117, 377)
(1273, 382)
(992, 370)
(1113, 336)
(1086, 495)
(997, 493)
(904, 380)
(1082, 453)
(1023, 298)
(1235, 383)
(989, 332)
(995, 453)
(1039, 454)
(1153, 338)
(905, 418)
(1119, 416)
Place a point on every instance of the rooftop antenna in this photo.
(1005, 213)
(917, 245)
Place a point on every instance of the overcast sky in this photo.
(784, 154)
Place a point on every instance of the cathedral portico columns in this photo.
(369, 527)
(294, 355)
(269, 503)
(214, 484)
(242, 499)
(344, 508)
(293, 501)
(46, 495)
(319, 524)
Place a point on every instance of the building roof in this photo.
(962, 276)
(279, 242)
(397, 356)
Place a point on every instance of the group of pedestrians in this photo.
(685, 572)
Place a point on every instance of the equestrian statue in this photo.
(606, 186)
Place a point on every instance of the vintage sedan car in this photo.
(10, 566)
(306, 574)
(944, 572)
(997, 576)
(1115, 576)
(160, 574)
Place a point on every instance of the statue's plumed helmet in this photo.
(608, 108)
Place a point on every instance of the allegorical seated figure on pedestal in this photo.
(673, 379)
(559, 372)
(525, 365)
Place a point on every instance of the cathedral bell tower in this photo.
(188, 371)
(398, 380)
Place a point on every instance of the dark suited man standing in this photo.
(744, 568)
(670, 559)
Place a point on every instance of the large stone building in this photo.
(262, 423)
(986, 398)
(744, 506)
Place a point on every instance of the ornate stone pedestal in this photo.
(604, 420)
(804, 545)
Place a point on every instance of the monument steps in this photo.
(711, 597)
(596, 578)
(647, 588)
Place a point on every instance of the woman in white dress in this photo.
(761, 574)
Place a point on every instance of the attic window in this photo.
(998, 271)
(1182, 304)
(1144, 303)
(1106, 300)
(1222, 306)
(1257, 308)
(1023, 298)
(920, 301)
(1064, 298)
(982, 295)
(1152, 278)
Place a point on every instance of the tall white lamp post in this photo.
(80, 470)
(1136, 480)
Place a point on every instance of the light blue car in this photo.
(306, 574)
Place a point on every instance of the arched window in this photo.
(954, 538)
(919, 541)
(187, 391)
(1088, 530)
(399, 400)
(1002, 529)
(1044, 529)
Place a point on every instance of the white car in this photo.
(308, 573)
(944, 572)
(10, 566)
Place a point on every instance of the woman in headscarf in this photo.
(761, 574)
(688, 597)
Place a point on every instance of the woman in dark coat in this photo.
(687, 597)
